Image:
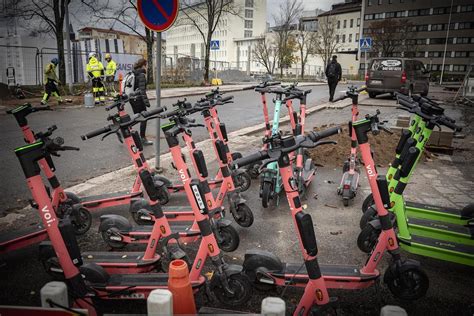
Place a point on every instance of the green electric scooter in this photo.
(441, 240)
(418, 130)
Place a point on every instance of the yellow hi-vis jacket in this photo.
(111, 68)
(95, 68)
(50, 73)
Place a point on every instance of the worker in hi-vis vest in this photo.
(95, 70)
(110, 70)
(51, 82)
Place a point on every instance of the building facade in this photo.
(236, 33)
(430, 37)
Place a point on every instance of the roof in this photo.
(112, 31)
(341, 8)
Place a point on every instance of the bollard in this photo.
(159, 303)
(392, 310)
(56, 292)
(180, 286)
(273, 306)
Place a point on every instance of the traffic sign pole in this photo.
(158, 100)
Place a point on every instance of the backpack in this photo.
(128, 84)
(332, 71)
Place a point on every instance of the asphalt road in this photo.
(98, 157)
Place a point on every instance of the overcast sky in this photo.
(273, 6)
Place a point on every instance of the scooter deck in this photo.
(116, 196)
(442, 230)
(439, 249)
(329, 272)
(435, 212)
(148, 280)
(177, 187)
(175, 228)
(123, 258)
(18, 239)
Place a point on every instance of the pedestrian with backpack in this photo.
(333, 74)
(134, 86)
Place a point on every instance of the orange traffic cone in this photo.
(180, 286)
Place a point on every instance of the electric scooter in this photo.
(350, 177)
(418, 128)
(88, 281)
(404, 278)
(65, 203)
(445, 241)
(117, 231)
(304, 169)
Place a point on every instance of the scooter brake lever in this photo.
(70, 148)
(119, 137)
(325, 142)
(265, 163)
(107, 134)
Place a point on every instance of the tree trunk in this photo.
(150, 39)
(207, 59)
(302, 69)
(62, 60)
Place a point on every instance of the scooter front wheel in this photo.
(245, 215)
(229, 238)
(267, 189)
(241, 289)
(81, 221)
(243, 181)
(369, 200)
(410, 284)
(368, 216)
(368, 238)
(114, 244)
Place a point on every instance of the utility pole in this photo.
(446, 42)
(68, 44)
(361, 30)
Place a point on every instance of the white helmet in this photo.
(92, 55)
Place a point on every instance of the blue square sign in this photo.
(215, 45)
(365, 44)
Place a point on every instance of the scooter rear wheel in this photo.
(410, 284)
(230, 239)
(369, 200)
(243, 181)
(368, 216)
(114, 244)
(368, 238)
(81, 221)
(246, 215)
(239, 284)
(267, 189)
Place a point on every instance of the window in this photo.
(249, 3)
(350, 38)
(343, 38)
(422, 28)
(248, 24)
(378, 16)
(465, 25)
(459, 68)
(358, 21)
(435, 54)
(464, 40)
(412, 12)
(442, 40)
(440, 10)
(424, 12)
(437, 27)
(390, 1)
(380, 2)
(369, 17)
(386, 65)
(461, 54)
(389, 15)
(351, 24)
(345, 23)
(369, 3)
(467, 8)
(420, 54)
(400, 14)
(402, 1)
(248, 13)
(337, 38)
(338, 24)
(357, 37)
(247, 33)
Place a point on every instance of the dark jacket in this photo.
(338, 71)
(140, 102)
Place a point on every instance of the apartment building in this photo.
(431, 36)
(236, 33)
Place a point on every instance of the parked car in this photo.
(389, 75)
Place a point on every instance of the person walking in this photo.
(333, 74)
(95, 70)
(51, 82)
(139, 100)
(110, 70)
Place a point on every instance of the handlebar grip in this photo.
(249, 88)
(95, 133)
(316, 136)
(110, 107)
(42, 108)
(406, 103)
(400, 95)
(228, 98)
(156, 111)
(247, 160)
(450, 124)
(274, 83)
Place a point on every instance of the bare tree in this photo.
(285, 20)
(210, 12)
(47, 17)
(326, 42)
(306, 44)
(124, 13)
(391, 36)
(264, 53)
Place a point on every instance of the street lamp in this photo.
(446, 43)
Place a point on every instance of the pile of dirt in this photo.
(383, 146)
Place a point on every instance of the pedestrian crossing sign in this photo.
(215, 45)
(365, 44)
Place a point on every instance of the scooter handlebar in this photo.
(95, 133)
(316, 136)
(147, 114)
(227, 99)
(247, 160)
